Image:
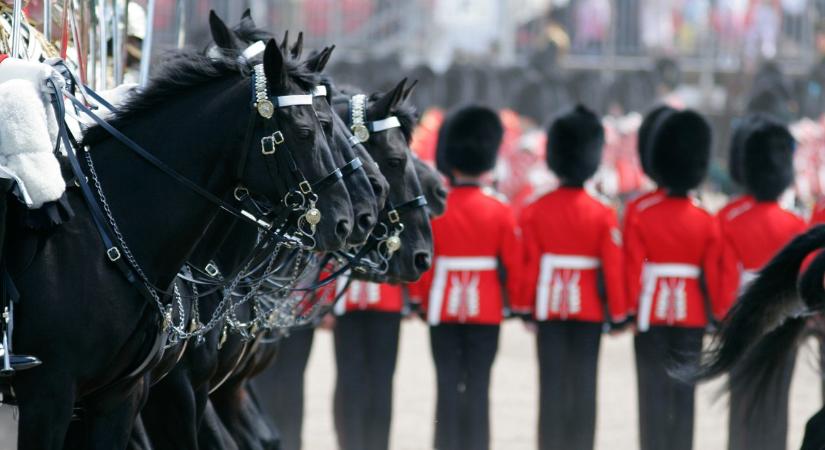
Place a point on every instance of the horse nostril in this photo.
(342, 229)
(366, 221)
(377, 188)
(440, 192)
(422, 261)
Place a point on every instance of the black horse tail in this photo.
(767, 302)
(759, 378)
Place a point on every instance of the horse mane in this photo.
(184, 70)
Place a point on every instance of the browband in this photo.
(319, 91)
(293, 100)
(254, 50)
(384, 124)
(265, 106)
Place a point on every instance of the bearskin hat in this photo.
(471, 140)
(680, 150)
(767, 159)
(574, 145)
(741, 129)
(643, 138)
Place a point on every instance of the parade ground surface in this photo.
(513, 396)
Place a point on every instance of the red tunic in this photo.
(671, 244)
(641, 202)
(750, 239)
(818, 215)
(367, 296)
(734, 208)
(3, 56)
(473, 241)
(569, 239)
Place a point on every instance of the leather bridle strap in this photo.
(160, 165)
(98, 217)
(415, 203)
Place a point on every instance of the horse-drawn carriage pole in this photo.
(17, 24)
(146, 51)
(117, 43)
(47, 20)
(104, 57)
(180, 23)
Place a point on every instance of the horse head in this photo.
(384, 122)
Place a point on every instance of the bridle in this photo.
(385, 238)
(299, 199)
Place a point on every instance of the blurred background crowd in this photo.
(533, 58)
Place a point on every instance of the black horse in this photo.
(765, 327)
(85, 320)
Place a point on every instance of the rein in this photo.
(300, 199)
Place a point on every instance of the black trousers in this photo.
(764, 427)
(366, 349)
(568, 365)
(280, 387)
(666, 405)
(463, 356)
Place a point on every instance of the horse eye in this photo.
(304, 133)
(395, 162)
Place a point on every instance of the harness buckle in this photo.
(241, 193)
(212, 270)
(276, 139)
(113, 254)
(393, 216)
(305, 187)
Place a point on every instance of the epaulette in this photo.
(738, 211)
(648, 202)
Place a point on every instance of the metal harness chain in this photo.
(121, 241)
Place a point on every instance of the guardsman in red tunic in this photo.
(368, 318)
(673, 262)
(643, 200)
(643, 136)
(742, 202)
(751, 235)
(572, 247)
(476, 265)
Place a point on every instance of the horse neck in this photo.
(239, 243)
(216, 234)
(161, 220)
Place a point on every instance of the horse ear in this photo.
(274, 65)
(298, 48)
(384, 106)
(246, 20)
(408, 91)
(315, 61)
(221, 34)
(324, 59)
(285, 43)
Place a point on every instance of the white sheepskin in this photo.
(26, 144)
